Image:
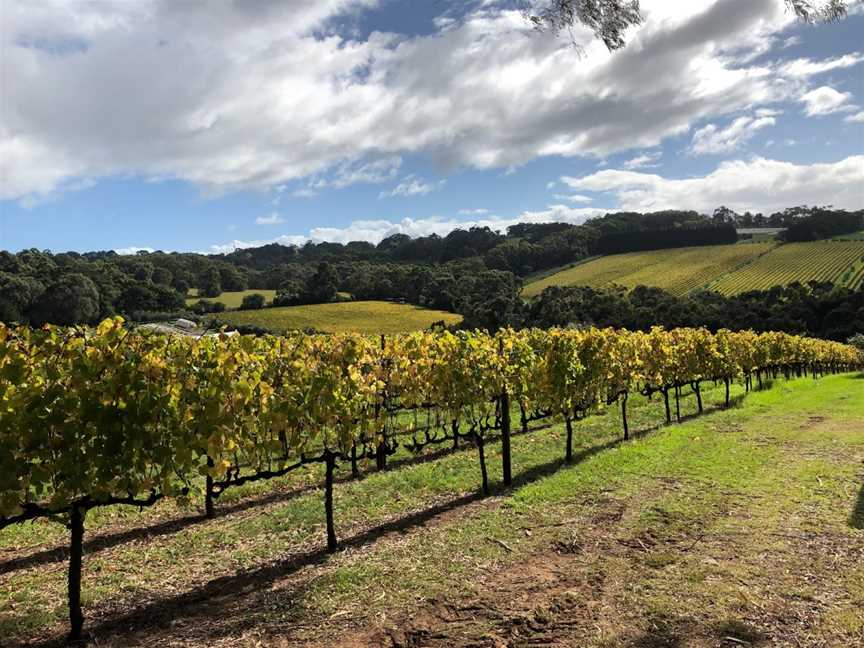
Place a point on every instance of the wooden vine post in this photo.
(624, 415)
(209, 509)
(330, 463)
(568, 457)
(381, 449)
(505, 427)
(76, 555)
(666, 403)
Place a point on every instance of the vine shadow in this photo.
(227, 595)
(100, 542)
(856, 518)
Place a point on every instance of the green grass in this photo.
(728, 269)
(369, 317)
(748, 515)
(230, 299)
(854, 236)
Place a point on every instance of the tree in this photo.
(254, 301)
(17, 295)
(211, 284)
(322, 286)
(149, 297)
(72, 299)
(610, 19)
(163, 276)
(289, 293)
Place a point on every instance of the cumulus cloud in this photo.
(758, 185)
(272, 218)
(376, 230)
(473, 212)
(826, 100)
(127, 251)
(261, 94)
(857, 118)
(411, 185)
(711, 140)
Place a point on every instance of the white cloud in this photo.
(576, 198)
(857, 118)
(371, 173)
(263, 94)
(376, 230)
(758, 185)
(646, 160)
(411, 185)
(711, 140)
(826, 100)
(128, 251)
(805, 67)
(473, 212)
(272, 218)
(792, 41)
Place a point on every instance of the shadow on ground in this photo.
(101, 542)
(856, 519)
(230, 605)
(227, 605)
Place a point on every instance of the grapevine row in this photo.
(108, 416)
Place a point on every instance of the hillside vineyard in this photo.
(108, 416)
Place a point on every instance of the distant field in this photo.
(854, 236)
(231, 299)
(841, 262)
(678, 270)
(368, 317)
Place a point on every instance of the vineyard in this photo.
(108, 417)
(728, 269)
(677, 270)
(840, 262)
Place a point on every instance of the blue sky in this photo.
(176, 126)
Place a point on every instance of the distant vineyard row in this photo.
(728, 269)
(112, 417)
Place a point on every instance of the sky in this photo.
(208, 125)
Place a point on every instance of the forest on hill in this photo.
(477, 273)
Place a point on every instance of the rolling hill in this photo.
(728, 269)
(370, 317)
(230, 299)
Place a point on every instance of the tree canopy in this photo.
(610, 19)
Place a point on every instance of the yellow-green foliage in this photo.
(368, 317)
(232, 299)
(840, 262)
(678, 270)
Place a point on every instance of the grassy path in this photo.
(739, 524)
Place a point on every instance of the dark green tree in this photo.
(254, 301)
(211, 284)
(17, 295)
(322, 286)
(72, 299)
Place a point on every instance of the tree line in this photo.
(475, 272)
